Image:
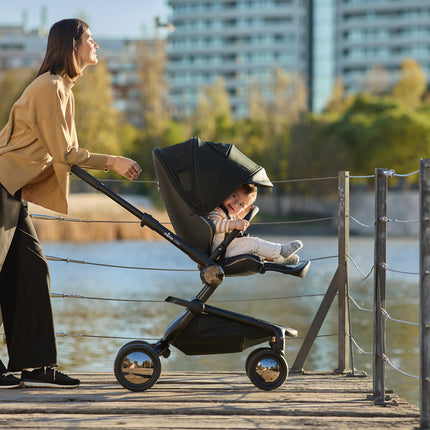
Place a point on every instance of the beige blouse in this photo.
(39, 143)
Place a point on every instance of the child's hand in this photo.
(239, 224)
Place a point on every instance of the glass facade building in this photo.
(240, 41)
(380, 33)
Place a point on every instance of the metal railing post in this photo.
(344, 344)
(425, 294)
(380, 237)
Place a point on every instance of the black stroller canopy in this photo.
(206, 173)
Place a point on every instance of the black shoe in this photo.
(48, 377)
(7, 380)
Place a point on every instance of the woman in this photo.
(37, 147)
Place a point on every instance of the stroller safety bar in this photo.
(195, 306)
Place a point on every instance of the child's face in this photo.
(238, 202)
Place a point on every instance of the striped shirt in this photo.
(221, 223)
(219, 218)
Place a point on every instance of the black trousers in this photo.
(24, 289)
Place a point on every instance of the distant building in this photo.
(20, 49)
(238, 40)
(382, 33)
(241, 40)
(122, 60)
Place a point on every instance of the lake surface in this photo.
(274, 297)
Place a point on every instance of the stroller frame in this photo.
(137, 366)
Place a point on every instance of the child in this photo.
(229, 217)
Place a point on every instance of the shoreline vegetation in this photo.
(119, 223)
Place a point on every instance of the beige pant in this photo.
(253, 245)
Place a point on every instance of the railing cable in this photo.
(359, 270)
(387, 360)
(82, 297)
(359, 348)
(360, 223)
(387, 268)
(116, 266)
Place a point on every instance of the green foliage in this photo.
(12, 85)
(411, 85)
(96, 119)
(213, 119)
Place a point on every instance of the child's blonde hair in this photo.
(249, 189)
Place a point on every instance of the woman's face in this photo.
(86, 50)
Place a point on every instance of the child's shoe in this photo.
(291, 248)
(292, 260)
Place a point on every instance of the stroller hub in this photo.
(212, 275)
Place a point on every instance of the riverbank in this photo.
(95, 217)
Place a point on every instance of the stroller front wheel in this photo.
(267, 369)
(137, 366)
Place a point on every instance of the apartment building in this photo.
(20, 49)
(240, 41)
(380, 33)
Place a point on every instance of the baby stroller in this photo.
(194, 177)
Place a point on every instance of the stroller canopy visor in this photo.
(205, 173)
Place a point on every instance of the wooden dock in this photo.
(207, 400)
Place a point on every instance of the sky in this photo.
(106, 18)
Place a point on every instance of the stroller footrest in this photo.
(299, 270)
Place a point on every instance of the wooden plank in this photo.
(60, 421)
(210, 400)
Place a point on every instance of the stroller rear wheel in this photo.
(137, 366)
(267, 369)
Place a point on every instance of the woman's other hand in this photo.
(123, 166)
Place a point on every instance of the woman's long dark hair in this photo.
(59, 56)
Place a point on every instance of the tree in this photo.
(376, 81)
(12, 85)
(156, 119)
(339, 101)
(213, 119)
(411, 85)
(96, 119)
(273, 109)
(155, 107)
(378, 132)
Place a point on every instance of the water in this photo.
(283, 304)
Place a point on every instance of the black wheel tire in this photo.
(133, 342)
(252, 355)
(137, 366)
(267, 369)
